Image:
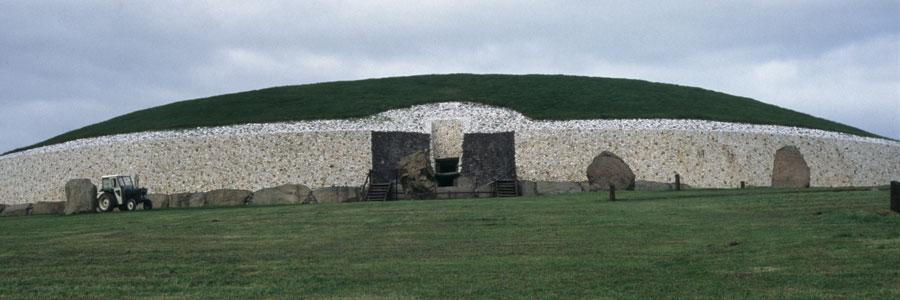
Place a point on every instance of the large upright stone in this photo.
(80, 196)
(282, 194)
(608, 169)
(417, 176)
(790, 169)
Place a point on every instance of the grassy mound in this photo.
(554, 97)
(722, 244)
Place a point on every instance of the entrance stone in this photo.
(417, 176)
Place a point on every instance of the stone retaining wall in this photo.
(339, 152)
(703, 159)
(251, 162)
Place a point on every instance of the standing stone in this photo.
(608, 169)
(282, 194)
(49, 208)
(417, 176)
(895, 196)
(80, 196)
(790, 169)
(336, 194)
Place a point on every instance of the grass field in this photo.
(554, 97)
(756, 243)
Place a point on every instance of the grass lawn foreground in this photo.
(752, 243)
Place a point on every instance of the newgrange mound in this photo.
(477, 129)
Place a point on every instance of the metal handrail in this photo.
(365, 184)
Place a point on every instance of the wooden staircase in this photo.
(378, 192)
(506, 188)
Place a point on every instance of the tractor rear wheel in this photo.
(105, 203)
(131, 204)
(148, 205)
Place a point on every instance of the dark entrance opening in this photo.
(447, 165)
(447, 171)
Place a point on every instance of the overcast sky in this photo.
(67, 64)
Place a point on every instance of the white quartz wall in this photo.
(251, 162)
(338, 152)
(715, 159)
(446, 138)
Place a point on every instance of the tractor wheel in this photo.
(131, 204)
(105, 203)
(148, 205)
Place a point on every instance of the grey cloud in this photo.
(138, 54)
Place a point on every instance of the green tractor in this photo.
(120, 191)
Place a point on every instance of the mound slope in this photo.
(548, 97)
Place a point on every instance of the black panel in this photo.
(489, 156)
(389, 147)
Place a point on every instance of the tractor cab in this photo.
(122, 192)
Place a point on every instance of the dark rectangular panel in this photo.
(489, 156)
(389, 147)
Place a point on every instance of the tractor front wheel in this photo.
(148, 205)
(105, 203)
(131, 204)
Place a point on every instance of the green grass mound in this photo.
(552, 97)
(717, 244)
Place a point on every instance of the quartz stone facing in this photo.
(447, 138)
(324, 153)
(702, 158)
(249, 162)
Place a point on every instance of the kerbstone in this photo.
(529, 188)
(226, 197)
(336, 194)
(180, 200)
(16, 210)
(283, 194)
(48, 208)
(557, 187)
(160, 201)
